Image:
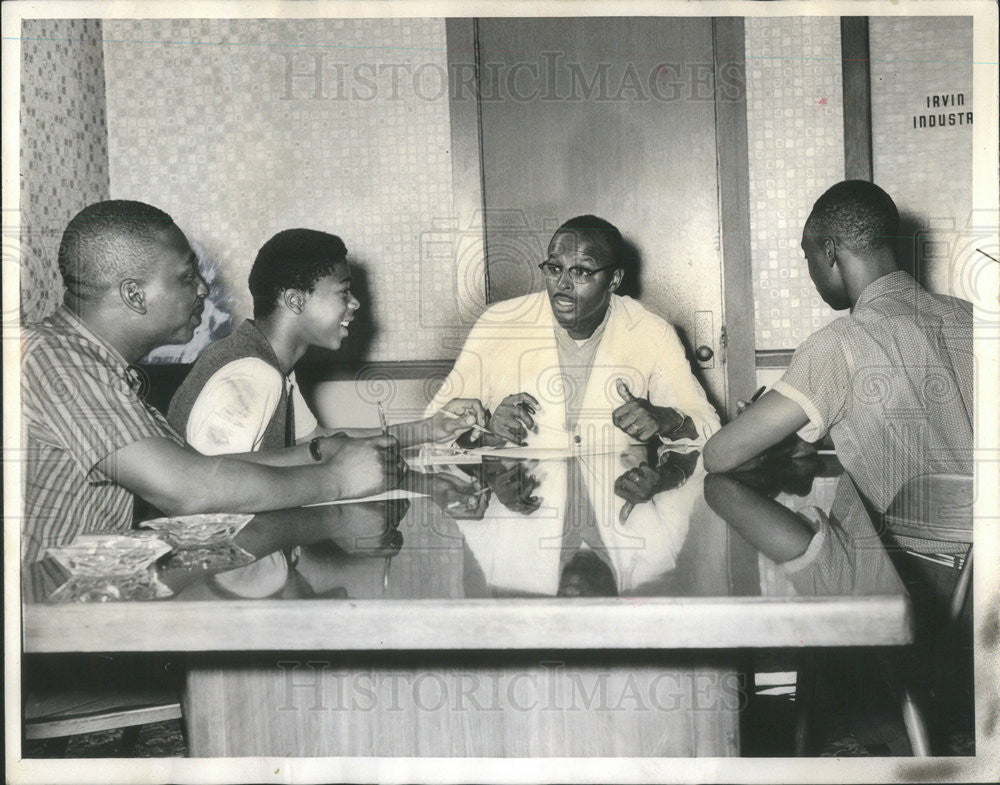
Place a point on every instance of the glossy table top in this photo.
(528, 555)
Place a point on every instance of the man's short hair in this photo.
(107, 242)
(597, 237)
(858, 213)
(292, 259)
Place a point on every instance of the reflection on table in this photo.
(539, 575)
(523, 529)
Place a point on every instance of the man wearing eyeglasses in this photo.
(578, 365)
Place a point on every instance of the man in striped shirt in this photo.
(92, 443)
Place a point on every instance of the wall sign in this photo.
(943, 110)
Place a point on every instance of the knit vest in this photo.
(245, 341)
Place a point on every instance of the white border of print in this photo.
(984, 767)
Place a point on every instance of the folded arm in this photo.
(761, 426)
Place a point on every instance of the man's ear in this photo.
(132, 294)
(294, 300)
(616, 279)
(830, 250)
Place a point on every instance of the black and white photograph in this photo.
(501, 392)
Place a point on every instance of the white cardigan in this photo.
(512, 348)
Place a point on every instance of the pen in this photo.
(381, 419)
(757, 394)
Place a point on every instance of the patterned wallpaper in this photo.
(795, 131)
(64, 151)
(241, 128)
(926, 167)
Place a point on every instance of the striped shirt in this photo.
(893, 385)
(80, 403)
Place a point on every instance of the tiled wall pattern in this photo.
(796, 138)
(210, 120)
(928, 171)
(64, 154)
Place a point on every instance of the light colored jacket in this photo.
(512, 348)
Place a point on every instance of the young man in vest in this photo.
(241, 395)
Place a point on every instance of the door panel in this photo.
(613, 117)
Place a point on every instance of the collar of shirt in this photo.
(133, 376)
(896, 281)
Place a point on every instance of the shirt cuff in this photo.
(815, 429)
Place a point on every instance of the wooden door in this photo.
(615, 117)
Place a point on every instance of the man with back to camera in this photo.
(92, 444)
(578, 364)
(241, 394)
(892, 383)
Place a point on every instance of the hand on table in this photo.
(642, 420)
(456, 418)
(514, 483)
(362, 467)
(513, 419)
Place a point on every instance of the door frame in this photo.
(733, 169)
(733, 177)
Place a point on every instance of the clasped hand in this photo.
(362, 467)
(455, 418)
(513, 419)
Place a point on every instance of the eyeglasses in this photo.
(578, 275)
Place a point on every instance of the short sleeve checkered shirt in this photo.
(893, 385)
(80, 402)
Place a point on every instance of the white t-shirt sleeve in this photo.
(305, 420)
(234, 408)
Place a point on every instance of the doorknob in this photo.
(704, 339)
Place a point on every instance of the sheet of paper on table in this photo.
(386, 496)
(441, 456)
